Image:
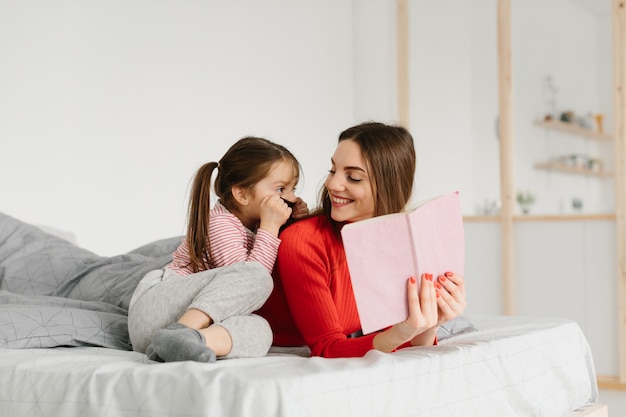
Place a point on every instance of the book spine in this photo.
(413, 240)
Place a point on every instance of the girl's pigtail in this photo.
(198, 220)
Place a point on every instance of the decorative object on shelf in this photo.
(490, 208)
(580, 162)
(595, 165)
(567, 116)
(586, 121)
(525, 199)
(549, 92)
(577, 204)
(599, 120)
(574, 161)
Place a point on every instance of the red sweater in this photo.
(312, 303)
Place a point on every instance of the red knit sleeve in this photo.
(318, 292)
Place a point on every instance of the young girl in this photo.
(313, 304)
(220, 273)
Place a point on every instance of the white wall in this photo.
(454, 99)
(107, 108)
(375, 55)
(563, 40)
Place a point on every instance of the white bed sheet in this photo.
(512, 366)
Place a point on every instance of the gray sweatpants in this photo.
(228, 295)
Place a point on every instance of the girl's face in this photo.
(349, 185)
(280, 181)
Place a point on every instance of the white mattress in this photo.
(513, 366)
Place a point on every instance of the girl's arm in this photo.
(230, 241)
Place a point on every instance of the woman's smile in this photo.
(348, 184)
(339, 201)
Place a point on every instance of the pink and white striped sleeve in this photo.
(232, 242)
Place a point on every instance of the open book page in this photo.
(384, 252)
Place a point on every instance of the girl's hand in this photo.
(451, 301)
(300, 210)
(274, 213)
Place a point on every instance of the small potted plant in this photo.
(525, 199)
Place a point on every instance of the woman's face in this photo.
(349, 185)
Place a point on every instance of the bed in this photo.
(64, 356)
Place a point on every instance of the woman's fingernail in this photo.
(438, 294)
(448, 274)
(412, 280)
(442, 278)
(429, 277)
(437, 285)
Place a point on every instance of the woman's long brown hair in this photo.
(389, 155)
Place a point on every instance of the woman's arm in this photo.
(316, 282)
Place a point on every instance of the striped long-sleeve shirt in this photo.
(231, 242)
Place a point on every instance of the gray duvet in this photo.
(53, 293)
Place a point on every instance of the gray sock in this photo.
(152, 355)
(178, 342)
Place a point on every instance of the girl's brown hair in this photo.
(246, 163)
(389, 156)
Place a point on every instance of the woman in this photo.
(312, 304)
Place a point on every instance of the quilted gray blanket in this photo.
(53, 293)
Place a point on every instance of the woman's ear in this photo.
(241, 195)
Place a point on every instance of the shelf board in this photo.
(553, 166)
(542, 217)
(563, 217)
(573, 129)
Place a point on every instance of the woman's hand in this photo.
(451, 300)
(420, 327)
(422, 308)
(300, 210)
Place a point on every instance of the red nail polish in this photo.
(437, 285)
(442, 278)
(438, 295)
(412, 280)
(429, 277)
(448, 274)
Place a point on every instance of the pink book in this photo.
(385, 251)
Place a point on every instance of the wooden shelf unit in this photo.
(555, 166)
(573, 129)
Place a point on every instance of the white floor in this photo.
(615, 400)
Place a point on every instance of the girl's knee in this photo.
(263, 282)
(251, 336)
